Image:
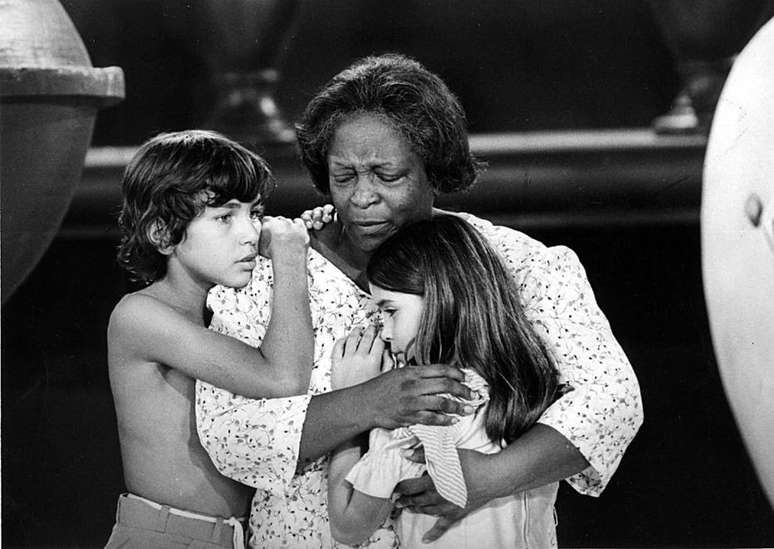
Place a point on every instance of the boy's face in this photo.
(220, 244)
(401, 315)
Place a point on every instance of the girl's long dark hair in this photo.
(472, 317)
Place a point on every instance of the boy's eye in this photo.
(256, 215)
(225, 218)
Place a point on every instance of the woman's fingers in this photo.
(439, 370)
(318, 217)
(413, 486)
(424, 384)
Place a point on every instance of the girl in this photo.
(446, 297)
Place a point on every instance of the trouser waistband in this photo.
(140, 512)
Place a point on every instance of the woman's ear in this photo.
(159, 235)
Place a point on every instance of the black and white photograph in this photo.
(412, 274)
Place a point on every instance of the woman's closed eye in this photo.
(341, 178)
(388, 177)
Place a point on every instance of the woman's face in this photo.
(401, 315)
(377, 182)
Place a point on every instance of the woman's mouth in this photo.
(371, 227)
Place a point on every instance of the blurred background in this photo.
(563, 99)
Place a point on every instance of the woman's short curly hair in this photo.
(169, 181)
(416, 101)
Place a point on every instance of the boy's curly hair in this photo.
(169, 181)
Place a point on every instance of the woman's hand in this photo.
(318, 217)
(410, 395)
(402, 396)
(358, 357)
(538, 457)
(420, 496)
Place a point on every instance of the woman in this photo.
(381, 140)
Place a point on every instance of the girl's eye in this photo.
(256, 215)
(388, 312)
(225, 218)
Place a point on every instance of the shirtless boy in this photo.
(192, 218)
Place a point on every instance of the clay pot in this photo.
(49, 96)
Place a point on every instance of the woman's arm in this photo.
(582, 436)
(400, 397)
(540, 456)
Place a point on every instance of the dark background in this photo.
(551, 65)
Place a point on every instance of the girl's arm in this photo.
(145, 329)
(354, 516)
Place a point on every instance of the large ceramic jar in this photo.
(49, 96)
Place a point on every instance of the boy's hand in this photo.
(358, 357)
(283, 236)
(318, 217)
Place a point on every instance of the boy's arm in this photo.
(151, 330)
(354, 516)
(146, 329)
(289, 341)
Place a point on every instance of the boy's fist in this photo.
(280, 235)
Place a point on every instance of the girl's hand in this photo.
(318, 217)
(357, 357)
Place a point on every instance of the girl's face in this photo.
(401, 317)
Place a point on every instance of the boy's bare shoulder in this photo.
(138, 308)
(138, 318)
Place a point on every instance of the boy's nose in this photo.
(252, 233)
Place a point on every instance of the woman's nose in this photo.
(364, 193)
